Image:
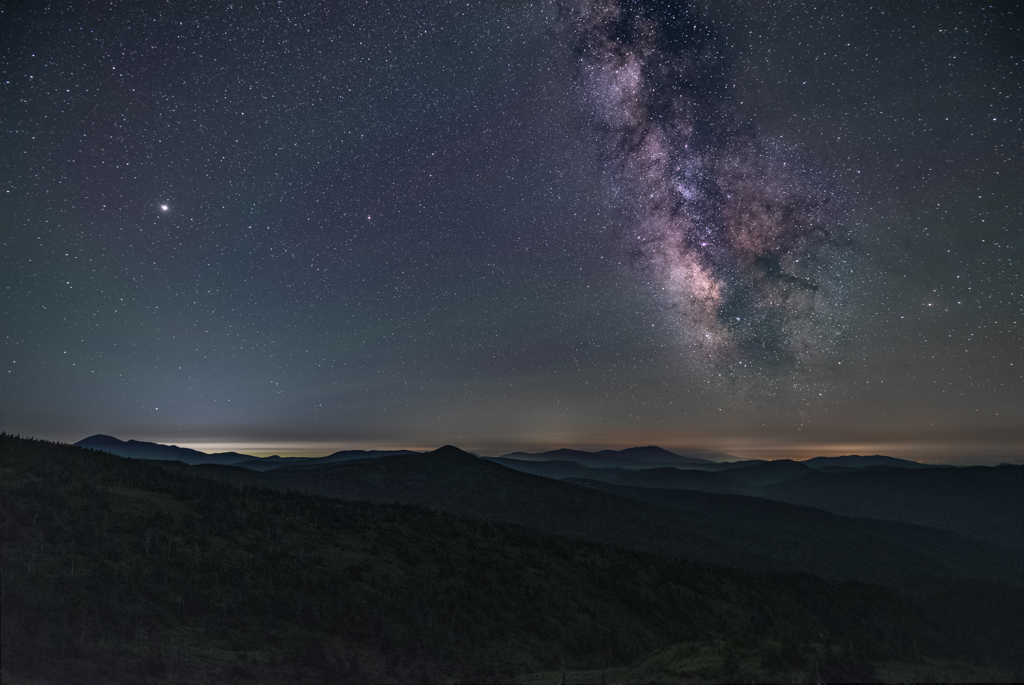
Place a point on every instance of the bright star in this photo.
(164, 207)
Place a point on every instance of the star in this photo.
(164, 208)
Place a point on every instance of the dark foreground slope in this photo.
(116, 570)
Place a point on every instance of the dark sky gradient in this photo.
(415, 223)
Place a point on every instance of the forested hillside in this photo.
(122, 571)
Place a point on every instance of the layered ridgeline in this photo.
(136, 449)
(983, 502)
(980, 501)
(118, 570)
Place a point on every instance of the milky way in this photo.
(734, 230)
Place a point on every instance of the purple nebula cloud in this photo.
(737, 233)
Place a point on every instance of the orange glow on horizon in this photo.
(740, 448)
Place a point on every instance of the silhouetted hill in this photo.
(133, 571)
(349, 455)
(135, 449)
(761, 473)
(656, 455)
(630, 458)
(856, 461)
(307, 463)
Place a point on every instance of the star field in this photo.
(765, 229)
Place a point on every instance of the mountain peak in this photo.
(861, 461)
(99, 439)
(448, 451)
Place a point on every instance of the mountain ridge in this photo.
(630, 457)
(136, 449)
(855, 461)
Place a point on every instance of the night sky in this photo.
(768, 229)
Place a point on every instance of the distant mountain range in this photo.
(634, 458)
(855, 461)
(135, 449)
(980, 502)
(654, 457)
(630, 458)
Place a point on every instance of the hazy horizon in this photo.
(922, 453)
